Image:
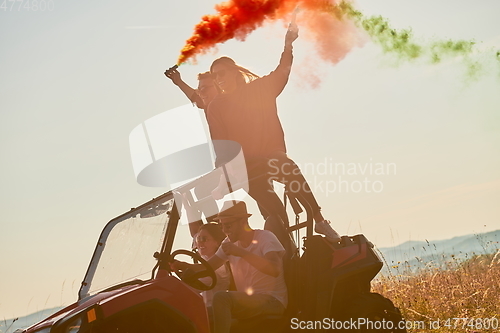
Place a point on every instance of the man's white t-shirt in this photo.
(249, 279)
(223, 280)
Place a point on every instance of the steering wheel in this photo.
(191, 277)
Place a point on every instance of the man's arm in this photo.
(215, 262)
(174, 75)
(269, 264)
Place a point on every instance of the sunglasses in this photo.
(201, 239)
(227, 225)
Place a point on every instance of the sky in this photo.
(416, 145)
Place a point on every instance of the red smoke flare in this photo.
(235, 19)
(238, 18)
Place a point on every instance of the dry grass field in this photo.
(459, 296)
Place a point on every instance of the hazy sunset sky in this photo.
(76, 80)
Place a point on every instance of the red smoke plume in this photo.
(238, 18)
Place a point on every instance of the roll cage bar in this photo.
(157, 206)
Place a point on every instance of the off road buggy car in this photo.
(129, 286)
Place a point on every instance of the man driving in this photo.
(256, 259)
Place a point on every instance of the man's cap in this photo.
(233, 208)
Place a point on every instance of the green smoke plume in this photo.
(403, 45)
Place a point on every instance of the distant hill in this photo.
(412, 255)
(23, 322)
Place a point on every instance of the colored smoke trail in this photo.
(403, 45)
(333, 37)
(234, 19)
(334, 26)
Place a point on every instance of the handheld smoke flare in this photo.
(171, 69)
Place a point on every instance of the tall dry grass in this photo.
(461, 289)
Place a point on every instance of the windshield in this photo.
(126, 247)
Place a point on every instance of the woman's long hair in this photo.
(246, 75)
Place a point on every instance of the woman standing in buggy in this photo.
(245, 111)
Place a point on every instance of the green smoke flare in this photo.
(403, 45)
